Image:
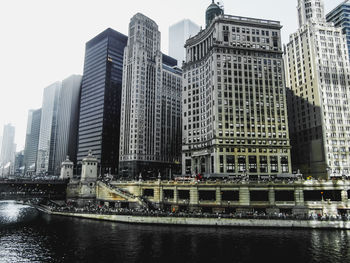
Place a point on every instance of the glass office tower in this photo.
(99, 118)
(48, 125)
(32, 141)
(67, 122)
(340, 16)
(178, 34)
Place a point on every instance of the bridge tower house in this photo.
(88, 177)
(67, 169)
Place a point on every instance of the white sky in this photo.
(43, 41)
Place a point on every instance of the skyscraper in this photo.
(19, 164)
(151, 104)
(99, 119)
(234, 99)
(178, 34)
(48, 125)
(67, 121)
(8, 148)
(317, 75)
(32, 141)
(340, 16)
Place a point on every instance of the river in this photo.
(27, 235)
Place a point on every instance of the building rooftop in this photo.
(239, 19)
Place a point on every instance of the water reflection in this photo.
(333, 244)
(38, 237)
(12, 212)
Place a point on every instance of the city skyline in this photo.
(54, 49)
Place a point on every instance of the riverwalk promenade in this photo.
(198, 219)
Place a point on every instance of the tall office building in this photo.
(19, 164)
(340, 16)
(28, 141)
(99, 119)
(8, 148)
(234, 99)
(32, 141)
(67, 121)
(48, 125)
(178, 34)
(150, 133)
(317, 74)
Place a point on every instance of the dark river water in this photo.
(27, 235)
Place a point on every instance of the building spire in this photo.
(212, 11)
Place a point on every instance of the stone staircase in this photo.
(143, 202)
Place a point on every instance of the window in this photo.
(273, 164)
(230, 164)
(259, 196)
(241, 164)
(252, 164)
(263, 164)
(230, 195)
(148, 192)
(284, 164)
(221, 158)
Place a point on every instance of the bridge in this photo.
(27, 188)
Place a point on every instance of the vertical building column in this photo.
(299, 196)
(244, 195)
(158, 194)
(218, 195)
(176, 195)
(207, 164)
(344, 196)
(272, 199)
(289, 160)
(194, 196)
(198, 51)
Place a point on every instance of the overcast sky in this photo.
(43, 41)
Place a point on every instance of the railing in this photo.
(142, 200)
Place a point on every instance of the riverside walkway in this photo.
(141, 216)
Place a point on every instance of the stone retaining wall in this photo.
(227, 222)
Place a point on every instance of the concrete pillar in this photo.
(176, 195)
(194, 196)
(218, 195)
(299, 197)
(344, 196)
(272, 196)
(160, 194)
(244, 195)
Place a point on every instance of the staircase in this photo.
(128, 196)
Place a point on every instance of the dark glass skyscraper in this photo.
(99, 120)
(340, 16)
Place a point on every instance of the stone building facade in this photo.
(317, 75)
(234, 100)
(150, 135)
